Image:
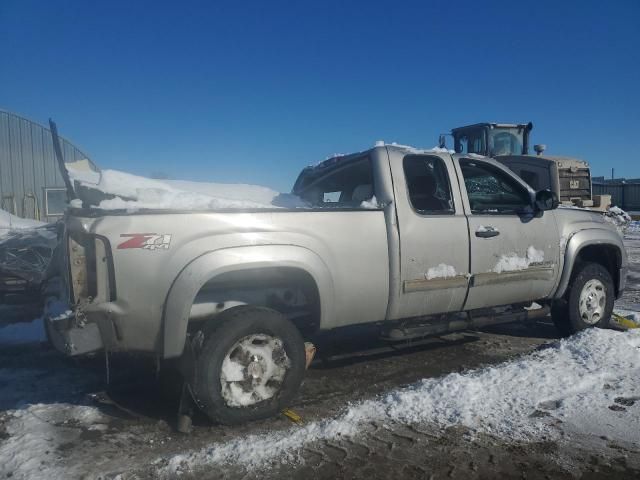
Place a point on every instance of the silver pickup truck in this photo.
(416, 242)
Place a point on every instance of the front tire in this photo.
(250, 367)
(589, 302)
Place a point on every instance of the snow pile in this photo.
(9, 222)
(23, 332)
(371, 204)
(573, 383)
(621, 213)
(437, 149)
(133, 192)
(35, 433)
(441, 271)
(512, 262)
(442, 150)
(619, 218)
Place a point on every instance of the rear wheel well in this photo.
(290, 291)
(606, 255)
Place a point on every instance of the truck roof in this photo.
(491, 124)
(344, 158)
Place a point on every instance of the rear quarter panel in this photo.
(352, 245)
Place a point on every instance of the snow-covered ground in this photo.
(22, 332)
(574, 381)
(9, 222)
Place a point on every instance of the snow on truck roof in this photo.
(341, 157)
(492, 124)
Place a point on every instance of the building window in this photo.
(55, 201)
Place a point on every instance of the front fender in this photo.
(581, 239)
(204, 268)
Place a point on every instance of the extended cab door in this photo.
(434, 239)
(514, 251)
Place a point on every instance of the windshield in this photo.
(472, 141)
(505, 141)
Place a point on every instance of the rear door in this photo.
(514, 252)
(434, 242)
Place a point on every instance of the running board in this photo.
(461, 321)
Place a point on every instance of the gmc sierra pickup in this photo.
(417, 242)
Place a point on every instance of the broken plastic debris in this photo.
(310, 352)
(625, 322)
(293, 416)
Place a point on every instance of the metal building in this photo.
(30, 182)
(625, 192)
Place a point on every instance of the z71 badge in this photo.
(148, 241)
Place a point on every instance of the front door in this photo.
(514, 252)
(434, 248)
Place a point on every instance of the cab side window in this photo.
(428, 185)
(492, 191)
(343, 186)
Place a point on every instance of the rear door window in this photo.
(428, 185)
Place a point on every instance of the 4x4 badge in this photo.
(148, 241)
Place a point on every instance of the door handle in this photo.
(487, 232)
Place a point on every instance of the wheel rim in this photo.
(253, 370)
(593, 300)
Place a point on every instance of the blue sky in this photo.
(253, 91)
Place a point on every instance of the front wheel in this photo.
(589, 301)
(250, 367)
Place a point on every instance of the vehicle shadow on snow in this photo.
(543, 328)
(350, 364)
(342, 349)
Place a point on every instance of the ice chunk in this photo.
(371, 204)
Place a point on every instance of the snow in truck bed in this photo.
(133, 192)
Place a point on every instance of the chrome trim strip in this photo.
(531, 273)
(424, 285)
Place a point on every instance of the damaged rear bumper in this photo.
(69, 331)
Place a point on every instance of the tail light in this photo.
(91, 269)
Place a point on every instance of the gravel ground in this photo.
(132, 435)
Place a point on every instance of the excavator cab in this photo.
(492, 139)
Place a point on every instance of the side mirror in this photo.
(546, 200)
